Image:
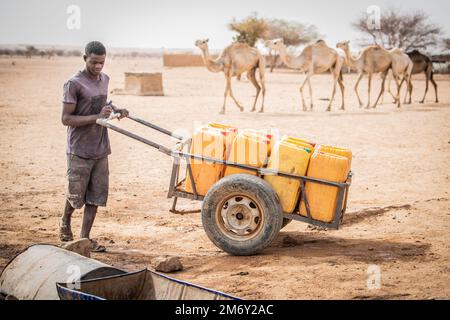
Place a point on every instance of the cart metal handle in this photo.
(154, 126)
(143, 122)
(104, 123)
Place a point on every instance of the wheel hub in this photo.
(240, 216)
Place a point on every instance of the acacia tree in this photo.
(407, 31)
(249, 30)
(447, 44)
(31, 51)
(293, 34)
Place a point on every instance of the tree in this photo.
(74, 53)
(249, 30)
(293, 34)
(50, 53)
(447, 44)
(407, 31)
(31, 51)
(59, 52)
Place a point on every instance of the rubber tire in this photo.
(267, 200)
(286, 221)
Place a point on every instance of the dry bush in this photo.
(405, 30)
(293, 33)
(249, 30)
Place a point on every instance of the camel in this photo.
(402, 67)
(372, 59)
(422, 63)
(234, 60)
(315, 58)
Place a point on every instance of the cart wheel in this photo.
(286, 221)
(241, 214)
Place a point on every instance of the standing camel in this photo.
(234, 60)
(422, 63)
(402, 67)
(372, 59)
(315, 58)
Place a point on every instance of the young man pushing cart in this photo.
(84, 101)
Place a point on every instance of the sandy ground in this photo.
(398, 216)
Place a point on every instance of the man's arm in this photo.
(69, 119)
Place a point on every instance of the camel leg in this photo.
(399, 86)
(274, 62)
(311, 102)
(252, 78)
(389, 90)
(435, 86)
(409, 91)
(263, 86)
(341, 85)
(411, 88)
(405, 101)
(332, 95)
(427, 75)
(382, 88)
(407, 79)
(356, 88)
(335, 79)
(369, 87)
(232, 95)
(301, 89)
(227, 88)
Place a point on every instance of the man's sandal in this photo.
(95, 247)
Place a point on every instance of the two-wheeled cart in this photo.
(241, 213)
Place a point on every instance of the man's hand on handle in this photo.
(123, 113)
(105, 112)
(109, 109)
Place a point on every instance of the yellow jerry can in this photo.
(337, 150)
(296, 140)
(212, 143)
(288, 158)
(222, 126)
(322, 199)
(261, 134)
(248, 150)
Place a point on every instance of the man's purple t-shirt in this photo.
(89, 95)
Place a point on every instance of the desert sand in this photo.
(398, 214)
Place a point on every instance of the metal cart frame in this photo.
(175, 183)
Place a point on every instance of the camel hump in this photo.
(321, 42)
(233, 48)
(376, 48)
(414, 52)
(239, 45)
(397, 50)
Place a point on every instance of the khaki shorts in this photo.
(88, 181)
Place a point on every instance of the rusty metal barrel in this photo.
(33, 274)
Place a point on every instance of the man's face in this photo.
(95, 63)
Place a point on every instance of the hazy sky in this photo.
(177, 23)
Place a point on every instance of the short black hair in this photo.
(95, 47)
